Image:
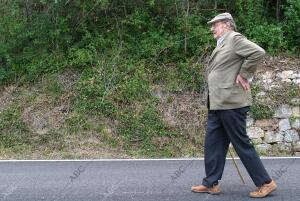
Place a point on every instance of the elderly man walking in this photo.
(231, 64)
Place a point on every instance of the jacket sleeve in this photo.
(252, 54)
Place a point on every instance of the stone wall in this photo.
(278, 134)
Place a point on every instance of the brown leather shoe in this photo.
(214, 190)
(264, 190)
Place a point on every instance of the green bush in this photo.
(291, 25)
(80, 57)
(261, 111)
(270, 36)
(190, 75)
(142, 127)
(93, 93)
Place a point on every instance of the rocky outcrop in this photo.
(280, 133)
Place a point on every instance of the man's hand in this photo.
(244, 82)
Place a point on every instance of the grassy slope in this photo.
(44, 121)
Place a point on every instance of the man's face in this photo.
(218, 29)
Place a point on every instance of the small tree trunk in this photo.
(27, 10)
(277, 10)
(185, 30)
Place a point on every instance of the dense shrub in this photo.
(291, 24)
(270, 36)
(38, 36)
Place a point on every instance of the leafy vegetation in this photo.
(123, 47)
(261, 111)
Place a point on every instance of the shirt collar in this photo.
(220, 40)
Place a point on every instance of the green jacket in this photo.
(235, 55)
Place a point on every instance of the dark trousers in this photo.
(225, 126)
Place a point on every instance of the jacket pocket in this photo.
(232, 93)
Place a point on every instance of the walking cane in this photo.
(237, 168)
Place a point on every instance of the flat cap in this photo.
(220, 17)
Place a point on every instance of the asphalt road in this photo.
(136, 180)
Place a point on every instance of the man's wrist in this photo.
(246, 75)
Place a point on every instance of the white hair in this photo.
(230, 24)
